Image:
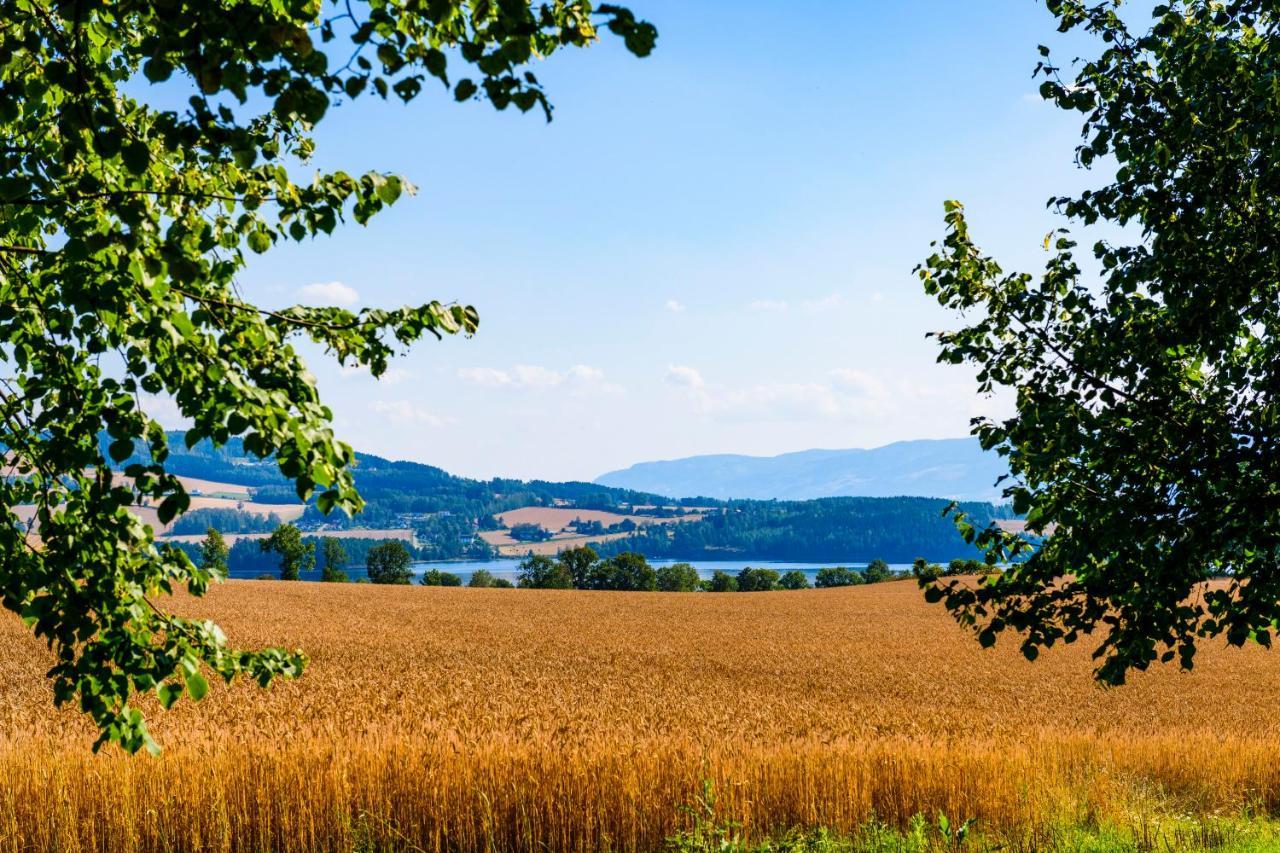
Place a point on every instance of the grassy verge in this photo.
(940, 833)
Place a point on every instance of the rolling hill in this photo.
(957, 468)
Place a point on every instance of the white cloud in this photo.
(683, 376)
(536, 376)
(406, 412)
(842, 395)
(486, 377)
(674, 306)
(333, 293)
(774, 306)
(165, 411)
(579, 379)
(825, 303)
(858, 382)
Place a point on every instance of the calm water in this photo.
(509, 568)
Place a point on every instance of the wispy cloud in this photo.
(579, 379)
(842, 394)
(674, 306)
(823, 303)
(817, 304)
(407, 412)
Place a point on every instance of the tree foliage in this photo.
(335, 560)
(435, 577)
(214, 553)
(123, 227)
(390, 563)
(677, 577)
(541, 572)
(296, 556)
(757, 580)
(1143, 445)
(793, 579)
(837, 576)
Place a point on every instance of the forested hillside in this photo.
(828, 529)
(446, 511)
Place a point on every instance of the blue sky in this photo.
(707, 251)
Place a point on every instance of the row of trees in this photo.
(584, 568)
(575, 568)
(388, 562)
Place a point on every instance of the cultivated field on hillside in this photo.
(558, 518)
(516, 719)
(557, 521)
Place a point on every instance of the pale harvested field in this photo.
(517, 719)
(555, 519)
(286, 512)
(508, 547)
(213, 486)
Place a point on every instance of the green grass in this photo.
(939, 833)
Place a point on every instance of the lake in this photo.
(509, 568)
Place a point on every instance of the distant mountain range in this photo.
(954, 468)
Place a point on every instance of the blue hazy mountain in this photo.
(955, 468)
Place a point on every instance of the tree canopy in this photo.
(1145, 376)
(123, 227)
(390, 563)
(296, 556)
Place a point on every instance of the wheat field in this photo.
(437, 718)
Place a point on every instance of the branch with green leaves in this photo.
(1145, 430)
(123, 229)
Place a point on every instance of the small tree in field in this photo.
(580, 562)
(214, 553)
(481, 579)
(678, 577)
(838, 576)
(721, 582)
(877, 571)
(390, 563)
(296, 556)
(625, 571)
(435, 577)
(793, 579)
(335, 560)
(542, 572)
(757, 580)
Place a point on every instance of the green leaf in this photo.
(121, 450)
(197, 686)
(136, 157)
(259, 241)
(169, 693)
(389, 190)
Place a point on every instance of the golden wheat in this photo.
(494, 719)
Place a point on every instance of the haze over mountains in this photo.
(955, 468)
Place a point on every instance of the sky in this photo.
(707, 251)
